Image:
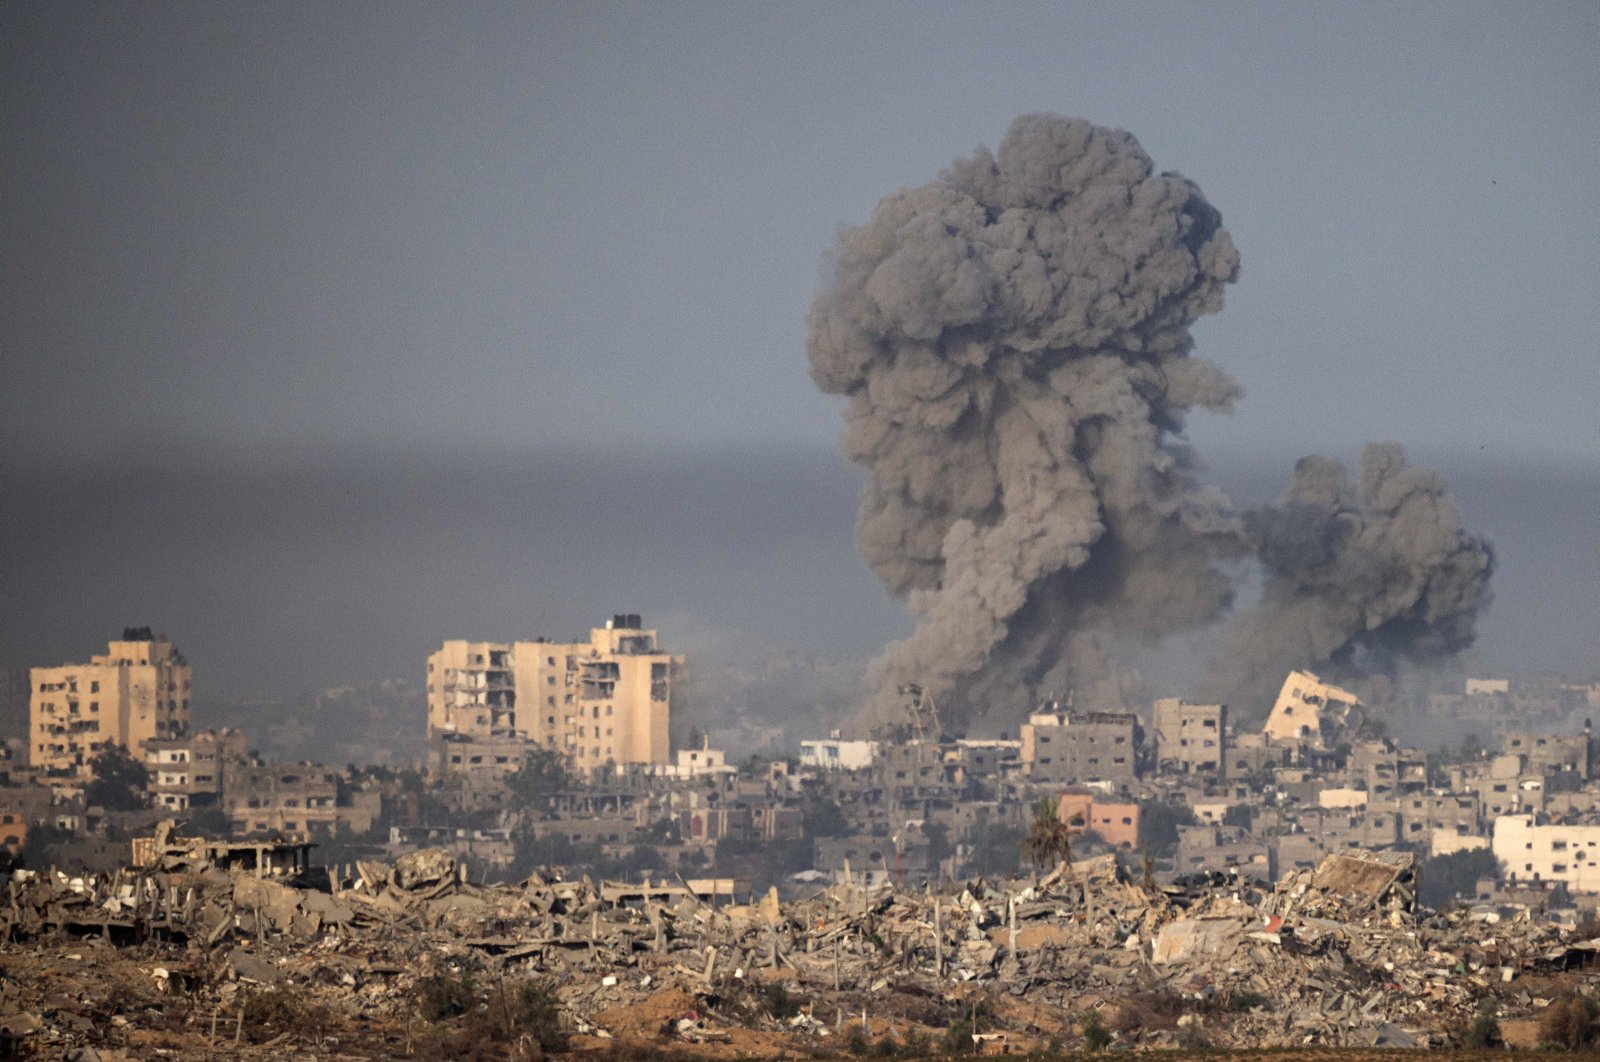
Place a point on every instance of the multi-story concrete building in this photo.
(1069, 746)
(838, 754)
(187, 772)
(1387, 771)
(1309, 710)
(604, 701)
(293, 798)
(1549, 753)
(1117, 824)
(1535, 852)
(1191, 738)
(137, 690)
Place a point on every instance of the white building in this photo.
(697, 763)
(1532, 852)
(835, 754)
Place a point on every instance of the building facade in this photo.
(601, 702)
(187, 772)
(1534, 852)
(1071, 746)
(137, 690)
(1311, 711)
(1191, 738)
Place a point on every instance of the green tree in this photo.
(996, 849)
(1158, 827)
(1049, 840)
(1448, 877)
(119, 781)
(38, 848)
(824, 818)
(542, 775)
(210, 821)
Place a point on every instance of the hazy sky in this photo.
(238, 234)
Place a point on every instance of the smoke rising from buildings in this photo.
(1013, 341)
(1363, 577)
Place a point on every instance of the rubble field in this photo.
(184, 959)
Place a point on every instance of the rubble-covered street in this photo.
(186, 959)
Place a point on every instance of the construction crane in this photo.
(922, 714)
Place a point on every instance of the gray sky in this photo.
(239, 235)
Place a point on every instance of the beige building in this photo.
(604, 701)
(186, 772)
(1311, 711)
(136, 691)
(1191, 738)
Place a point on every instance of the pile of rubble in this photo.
(1340, 955)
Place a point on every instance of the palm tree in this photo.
(1049, 840)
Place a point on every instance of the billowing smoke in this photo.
(1360, 577)
(1014, 343)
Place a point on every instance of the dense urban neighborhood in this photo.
(1090, 858)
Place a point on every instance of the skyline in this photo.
(315, 259)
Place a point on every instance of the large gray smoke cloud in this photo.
(1014, 343)
(1362, 577)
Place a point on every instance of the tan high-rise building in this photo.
(604, 701)
(137, 690)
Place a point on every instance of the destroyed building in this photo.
(1310, 712)
(265, 797)
(187, 772)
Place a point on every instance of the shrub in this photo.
(1568, 1022)
(1484, 1028)
(283, 1009)
(529, 1009)
(778, 1002)
(958, 1037)
(444, 995)
(1096, 1037)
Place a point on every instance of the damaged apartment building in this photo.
(1064, 745)
(135, 691)
(604, 702)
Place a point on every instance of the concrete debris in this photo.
(1335, 956)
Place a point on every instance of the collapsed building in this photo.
(181, 953)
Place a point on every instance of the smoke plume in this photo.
(1013, 341)
(1360, 577)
